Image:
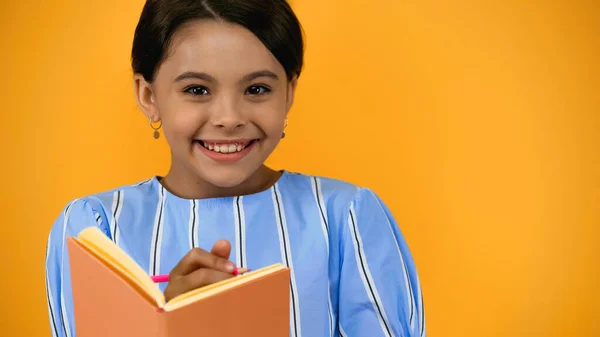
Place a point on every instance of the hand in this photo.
(199, 268)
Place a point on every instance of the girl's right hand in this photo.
(199, 268)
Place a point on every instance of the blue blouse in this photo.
(352, 273)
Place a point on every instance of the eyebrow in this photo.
(261, 73)
(195, 75)
(206, 77)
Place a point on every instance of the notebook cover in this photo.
(106, 305)
(258, 308)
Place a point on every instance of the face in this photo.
(222, 98)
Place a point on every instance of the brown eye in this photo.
(197, 90)
(257, 90)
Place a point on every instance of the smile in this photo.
(226, 147)
(226, 151)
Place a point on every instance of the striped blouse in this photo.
(352, 273)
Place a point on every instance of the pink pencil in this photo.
(160, 278)
(165, 277)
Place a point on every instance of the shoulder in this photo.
(98, 209)
(107, 201)
(334, 194)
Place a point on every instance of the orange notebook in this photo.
(114, 297)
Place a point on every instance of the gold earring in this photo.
(285, 126)
(155, 128)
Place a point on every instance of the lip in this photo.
(226, 157)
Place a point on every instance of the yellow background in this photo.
(478, 122)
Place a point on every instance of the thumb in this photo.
(221, 248)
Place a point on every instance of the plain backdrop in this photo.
(477, 122)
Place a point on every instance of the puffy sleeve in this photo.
(75, 217)
(379, 291)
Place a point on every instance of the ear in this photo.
(292, 85)
(144, 97)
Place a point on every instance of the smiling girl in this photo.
(218, 77)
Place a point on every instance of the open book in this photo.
(114, 296)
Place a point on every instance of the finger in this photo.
(203, 277)
(198, 278)
(198, 258)
(222, 248)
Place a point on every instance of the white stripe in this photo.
(407, 285)
(50, 298)
(365, 274)
(155, 245)
(197, 214)
(63, 308)
(117, 207)
(193, 224)
(242, 231)
(142, 182)
(113, 207)
(421, 309)
(236, 225)
(50, 309)
(317, 192)
(98, 219)
(342, 332)
(286, 256)
(316, 187)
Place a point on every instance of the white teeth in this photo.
(225, 148)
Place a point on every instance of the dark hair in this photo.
(272, 21)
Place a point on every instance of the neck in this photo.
(189, 186)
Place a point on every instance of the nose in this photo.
(226, 114)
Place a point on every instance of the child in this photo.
(219, 77)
